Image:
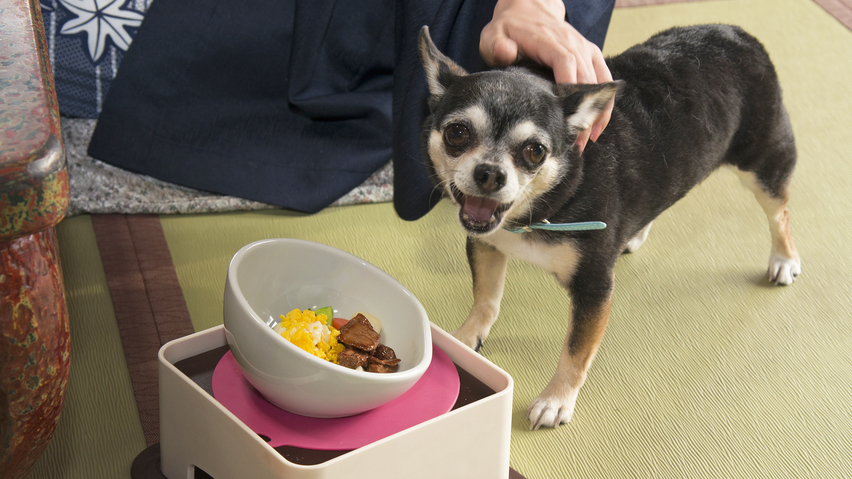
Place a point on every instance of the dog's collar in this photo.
(547, 225)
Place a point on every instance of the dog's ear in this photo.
(440, 70)
(582, 103)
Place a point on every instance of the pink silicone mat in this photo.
(434, 394)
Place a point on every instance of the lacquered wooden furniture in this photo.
(34, 330)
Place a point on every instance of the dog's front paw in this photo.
(551, 410)
(783, 270)
(473, 341)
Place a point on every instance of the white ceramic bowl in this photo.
(269, 278)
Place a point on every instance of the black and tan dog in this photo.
(501, 144)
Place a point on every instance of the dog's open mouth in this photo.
(479, 214)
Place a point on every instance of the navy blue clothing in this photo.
(292, 103)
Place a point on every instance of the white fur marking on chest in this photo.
(560, 259)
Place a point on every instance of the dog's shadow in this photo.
(762, 281)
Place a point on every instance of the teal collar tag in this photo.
(547, 225)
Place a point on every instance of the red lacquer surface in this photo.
(34, 349)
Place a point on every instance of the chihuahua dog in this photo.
(501, 145)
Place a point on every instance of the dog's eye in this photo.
(456, 135)
(534, 152)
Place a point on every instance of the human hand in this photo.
(537, 30)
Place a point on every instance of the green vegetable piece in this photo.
(328, 312)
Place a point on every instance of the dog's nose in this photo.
(490, 178)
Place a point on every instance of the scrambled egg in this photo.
(309, 331)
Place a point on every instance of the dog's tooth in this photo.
(465, 217)
(492, 219)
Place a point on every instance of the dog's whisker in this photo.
(443, 184)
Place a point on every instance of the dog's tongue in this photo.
(479, 209)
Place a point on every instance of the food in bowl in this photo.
(354, 343)
(364, 349)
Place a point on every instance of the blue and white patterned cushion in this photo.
(86, 41)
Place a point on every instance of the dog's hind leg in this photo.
(784, 262)
(488, 268)
(638, 240)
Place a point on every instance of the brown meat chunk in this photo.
(363, 348)
(380, 368)
(359, 335)
(358, 319)
(383, 360)
(352, 358)
(384, 352)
